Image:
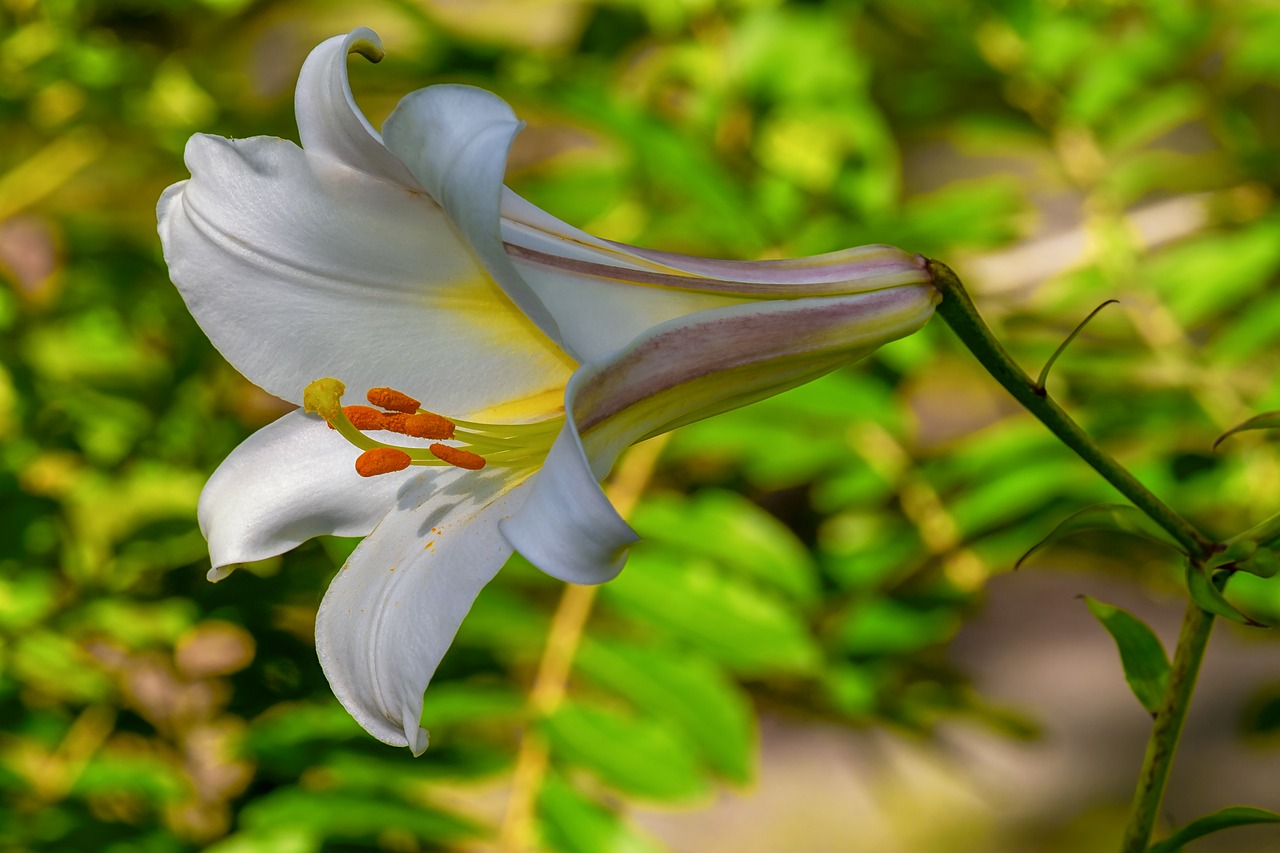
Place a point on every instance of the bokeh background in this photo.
(821, 645)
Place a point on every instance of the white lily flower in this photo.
(401, 261)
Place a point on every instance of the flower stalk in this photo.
(1167, 728)
(958, 312)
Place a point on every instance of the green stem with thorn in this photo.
(958, 312)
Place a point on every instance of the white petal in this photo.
(528, 228)
(597, 315)
(455, 140)
(604, 294)
(288, 482)
(592, 296)
(329, 122)
(679, 372)
(568, 528)
(298, 268)
(392, 611)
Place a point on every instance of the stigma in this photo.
(474, 445)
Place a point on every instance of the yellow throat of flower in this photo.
(473, 446)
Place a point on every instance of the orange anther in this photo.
(428, 425)
(457, 457)
(394, 421)
(364, 417)
(381, 460)
(389, 398)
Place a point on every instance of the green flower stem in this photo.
(1192, 640)
(958, 312)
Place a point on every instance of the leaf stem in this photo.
(1192, 640)
(958, 312)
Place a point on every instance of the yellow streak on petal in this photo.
(548, 403)
(482, 318)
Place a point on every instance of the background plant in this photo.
(810, 559)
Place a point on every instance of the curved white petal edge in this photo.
(455, 141)
(329, 122)
(290, 481)
(400, 259)
(393, 609)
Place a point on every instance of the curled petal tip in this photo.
(417, 736)
(219, 573)
(365, 42)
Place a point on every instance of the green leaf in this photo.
(1264, 562)
(1146, 666)
(734, 532)
(277, 839)
(289, 729)
(685, 690)
(1239, 262)
(1117, 517)
(1259, 596)
(642, 757)
(1009, 495)
(1254, 551)
(1216, 822)
(351, 815)
(450, 703)
(883, 626)
(744, 627)
(1266, 420)
(1206, 594)
(571, 823)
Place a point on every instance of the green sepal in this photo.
(1118, 517)
(1225, 819)
(1266, 420)
(1146, 665)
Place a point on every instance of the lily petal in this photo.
(568, 528)
(679, 372)
(392, 611)
(297, 267)
(580, 290)
(455, 140)
(531, 231)
(329, 122)
(292, 480)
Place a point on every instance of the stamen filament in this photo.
(536, 427)
(475, 444)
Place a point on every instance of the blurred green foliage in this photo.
(812, 554)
